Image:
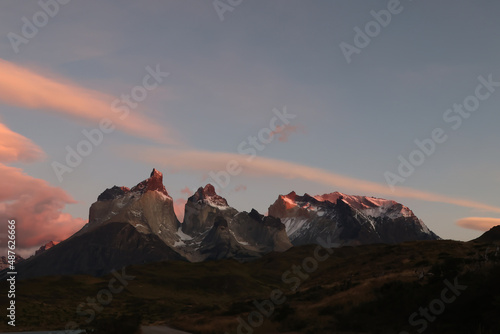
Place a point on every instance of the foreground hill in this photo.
(363, 289)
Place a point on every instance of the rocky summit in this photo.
(347, 220)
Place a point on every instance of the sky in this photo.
(392, 99)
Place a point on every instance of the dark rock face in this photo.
(347, 220)
(220, 230)
(98, 252)
(219, 243)
(264, 234)
(201, 210)
(112, 193)
(4, 262)
(125, 227)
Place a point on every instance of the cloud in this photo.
(186, 191)
(16, 148)
(24, 88)
(203, 161)
(179, 206)
(478, 223)
(284, 131)
(240, 187)
(37, 208)
(33, 203)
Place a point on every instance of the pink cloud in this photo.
(24, 88)
(179, 205)
(283, 132)
(37, 208)
(16, 148)
(240, 187)
(478, 223)
(186, 191)
(32, 203)
(205, 161)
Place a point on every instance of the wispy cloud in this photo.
(283, 132)
(25, 88)
(203, 161)
(478, 223)
(186, 191)
(16, 148)
(240, 187)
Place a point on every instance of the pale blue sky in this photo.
(227, 76)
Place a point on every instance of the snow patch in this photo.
(163, 196)
(244, 243)
(293, 224)
(179, 243)
(289, 201)
(183, 235)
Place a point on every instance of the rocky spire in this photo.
(154, 182)
(208, 196)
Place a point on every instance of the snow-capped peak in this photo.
(371, 206)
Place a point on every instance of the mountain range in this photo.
(138, 225)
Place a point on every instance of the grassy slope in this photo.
(370, 289)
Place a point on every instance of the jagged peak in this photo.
(156, 174)
(370, 205)
(255, 215)
(208, 196)
(209, 190)
(46, 247)
(154, 182)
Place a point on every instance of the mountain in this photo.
(138, 225)
(262, 233)
(46, 247)
(4, 262)
(490, 236)
(126, 226)
(202, 208)
(214, 230)
(348, 220)
(147, 207)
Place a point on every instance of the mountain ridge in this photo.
(139, 225)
